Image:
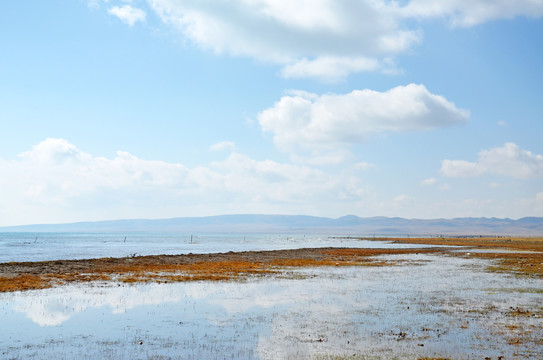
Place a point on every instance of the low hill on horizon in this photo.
(304, 224)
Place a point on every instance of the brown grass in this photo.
(23, 282)
(162, 268)
(235, 266)
(530, 264)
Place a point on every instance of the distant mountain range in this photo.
(302, 224)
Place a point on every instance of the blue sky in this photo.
(164, 108)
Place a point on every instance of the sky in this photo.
(118, 109)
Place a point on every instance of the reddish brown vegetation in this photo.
(230, 266)
(164, 268)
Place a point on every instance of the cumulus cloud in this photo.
(305, 122)
(55, 181)
(328, 39)
(508, 160)
(128, 14)
(304, 36)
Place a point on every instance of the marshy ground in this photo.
(481, 300)
(17, 276)
(522, 256)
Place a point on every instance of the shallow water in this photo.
(57, 246)
(429, 306)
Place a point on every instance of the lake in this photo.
(56, 246)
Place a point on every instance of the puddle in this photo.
(432, 306)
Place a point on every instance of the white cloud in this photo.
(128, 14)
(328, 68)
(460, 168)
(320, 124)
(223, 146)
(323, 157)
(469, 13)
(327, 39)
(304, 36)
(508, 160)
(57, 182)
(269, 181)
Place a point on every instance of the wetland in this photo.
(434, 299)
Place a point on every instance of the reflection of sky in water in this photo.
(448, 304)
(54, 246)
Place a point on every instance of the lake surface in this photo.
(429, 306)
(57, 246)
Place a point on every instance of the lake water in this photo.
(56, 246)
(431, 306)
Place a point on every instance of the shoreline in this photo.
(21, 276)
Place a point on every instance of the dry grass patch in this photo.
(23, 282)
(213, 271)
(519, 263)
(34, 282)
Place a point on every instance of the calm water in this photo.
(431, 306)
(56, 246)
